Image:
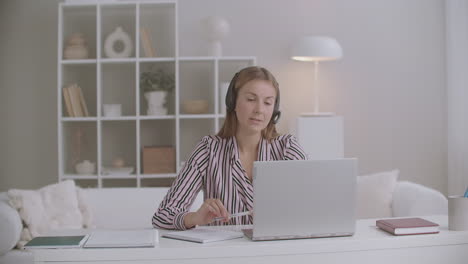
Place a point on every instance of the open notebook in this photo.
(122, 238)
(205, 234)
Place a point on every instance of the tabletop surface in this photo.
(366, 237)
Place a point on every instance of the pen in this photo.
(466, 193)
(233, 215)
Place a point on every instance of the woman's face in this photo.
(254, 105)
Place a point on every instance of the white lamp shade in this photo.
(316, 48)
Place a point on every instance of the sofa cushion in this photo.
(412, 199)
(375, 194)
(10, 226)
(118, 208)
(51, 207)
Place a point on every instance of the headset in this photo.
(231, 98)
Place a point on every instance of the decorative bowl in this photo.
(85, 167)
(195, 106)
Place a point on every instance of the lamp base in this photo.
(318, 114)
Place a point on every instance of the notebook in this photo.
(204, 235)
(408, 226)
(303, 199)
(56, 242)
(122, 238)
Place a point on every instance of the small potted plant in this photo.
(156, 84)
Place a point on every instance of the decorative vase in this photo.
(155, 101)
(76, 48)
(118, 44)
(216, 29)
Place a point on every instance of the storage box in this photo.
(158, 160)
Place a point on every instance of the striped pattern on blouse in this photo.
(215, 168)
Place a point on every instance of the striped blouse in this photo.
(215, 168)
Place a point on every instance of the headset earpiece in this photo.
(275, 117)
(276, 112)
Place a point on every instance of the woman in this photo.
(222, 165)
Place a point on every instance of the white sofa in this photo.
(120, 208)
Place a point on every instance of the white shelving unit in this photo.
(103, 80)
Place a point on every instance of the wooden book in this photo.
(83, 105)
(147, 43)
(408, 226)
(68, 105)
(75, 100)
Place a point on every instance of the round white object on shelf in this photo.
(216, 28)
(118, 37)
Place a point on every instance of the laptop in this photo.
(303, 199)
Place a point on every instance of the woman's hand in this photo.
(209, 210)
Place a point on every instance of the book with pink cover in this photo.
(408, 226)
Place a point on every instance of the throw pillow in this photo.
(51, 207)
(10, 227)
(412, 199)
(375, 194)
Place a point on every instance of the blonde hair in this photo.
(244, 76)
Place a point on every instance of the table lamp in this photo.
(316, 49)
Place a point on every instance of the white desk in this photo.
(368, 245)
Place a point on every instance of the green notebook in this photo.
(56, 242)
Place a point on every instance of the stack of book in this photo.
(74, 101)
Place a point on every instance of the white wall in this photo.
(28, 87)
(389, 86)
(457, 94)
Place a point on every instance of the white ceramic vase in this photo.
(118, 35)
(216, 29)
(155, 101)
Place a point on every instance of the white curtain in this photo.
(457, 94)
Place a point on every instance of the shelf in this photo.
(119, 118)
(198, 58)
(212, 58)
(155, 59)
(85, 61)
(78, 3)
(140, 140)
(119, 60)
(117, 176)
(157, 117)
(118, 91)
(78, 119)
(80, 177)
(185, 116)
(158, 176)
